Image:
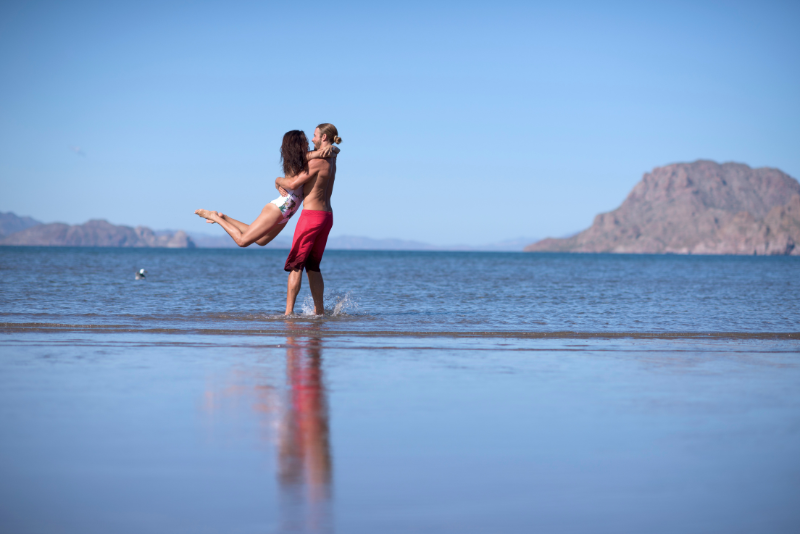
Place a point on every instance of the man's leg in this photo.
(293, 288)
(315, 282)
(317, 287)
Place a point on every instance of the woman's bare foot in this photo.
(208, 215)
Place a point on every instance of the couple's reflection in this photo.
(293, 410)
(304, 456)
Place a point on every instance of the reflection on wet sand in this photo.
(299, 411)
(304, 447)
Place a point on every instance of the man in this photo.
(316, 220)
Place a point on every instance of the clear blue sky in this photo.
(462, 122)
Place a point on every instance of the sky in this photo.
(462, 122)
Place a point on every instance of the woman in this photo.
(275, 215)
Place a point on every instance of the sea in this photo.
(469, 392)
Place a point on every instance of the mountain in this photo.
(95, 233)
(11, 223)
(697, 208)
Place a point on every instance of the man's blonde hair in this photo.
(330, 131)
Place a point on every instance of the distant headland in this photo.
(701, 207)
(24, 231)
(697, 208)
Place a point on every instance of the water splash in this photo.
(307, 307)
(343, 304)
(336, 305)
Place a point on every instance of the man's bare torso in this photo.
(318, 190)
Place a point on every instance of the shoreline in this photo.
(114, 329)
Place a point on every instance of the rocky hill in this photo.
(96, 233)
(697, 208)
(11, 223)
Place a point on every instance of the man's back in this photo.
(318, 190)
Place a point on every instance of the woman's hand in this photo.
(282, 191)
(329, 151)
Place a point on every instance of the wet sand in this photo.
(315, 326)
(313, 431)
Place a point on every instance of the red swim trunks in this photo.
(310, 238)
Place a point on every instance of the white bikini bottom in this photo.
(288, 206)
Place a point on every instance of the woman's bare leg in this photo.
(238, 224)
(241, 233)
(243, 227)
(272, 234)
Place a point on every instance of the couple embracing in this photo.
(308, 178)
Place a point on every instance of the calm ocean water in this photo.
(244, 290)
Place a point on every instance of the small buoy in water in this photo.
(140, 274)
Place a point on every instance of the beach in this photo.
(444, 392)
(561, 294)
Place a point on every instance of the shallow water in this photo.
(441, 392)
(458, 292)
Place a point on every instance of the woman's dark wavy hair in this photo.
(293, 153)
